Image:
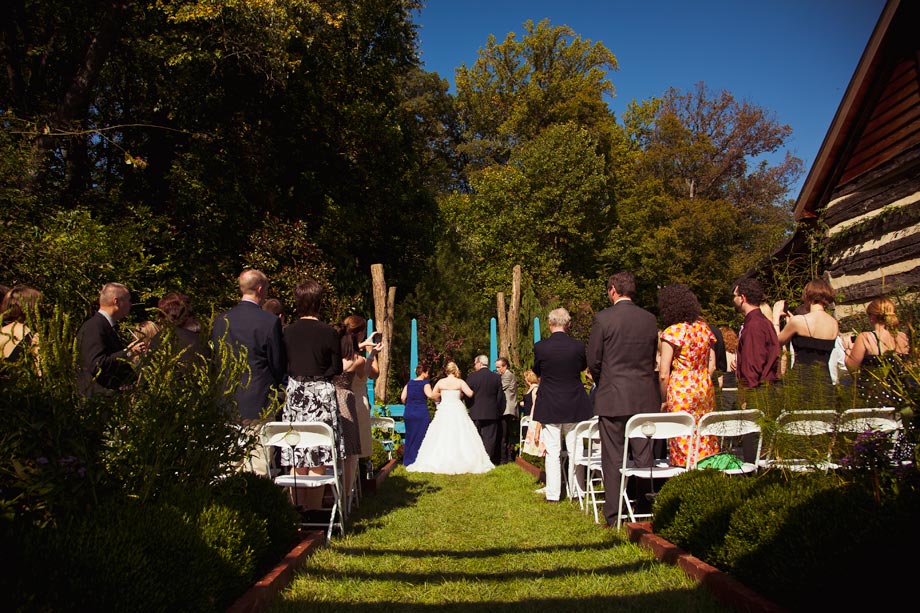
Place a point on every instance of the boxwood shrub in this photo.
(240, 539)
(692, 510)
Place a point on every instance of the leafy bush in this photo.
(240, 539)
(379, 455)
(122, 556)
(246, 491)
(693, 510)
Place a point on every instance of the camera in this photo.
(376, 337)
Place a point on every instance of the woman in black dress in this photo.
(314, 357)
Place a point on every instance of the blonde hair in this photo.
(452, 369)
(146, 330)
(882, 310)
(531, 377)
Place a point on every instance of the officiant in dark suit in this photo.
(104, 357)
(487, 406)
(621, 359)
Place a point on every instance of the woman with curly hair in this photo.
(16, 339)
(688, 360)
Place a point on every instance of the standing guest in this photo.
(105, 359)
(274, 306)
(247, 326)
(367, 368)
(728, 382)
(144, 333)
(813, 336)
(526, 405)
(16, 339)
(352, 361)
(688, 359)
(872, 348)
(314, 353)
(176, 314)
(487, 406)
(757, 359)
(559, 361)
(621, 359)
(509, 418)
(415, 395)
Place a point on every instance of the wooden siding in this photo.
(894, 124)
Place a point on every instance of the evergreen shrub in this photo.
(693, 509)
(250, 492)
(240, 539)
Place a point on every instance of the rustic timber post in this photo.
(384, 301)
(508, 319)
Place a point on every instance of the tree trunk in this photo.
(383, 322)
(502, 325)
(514, 314)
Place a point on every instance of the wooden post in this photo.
(502, 325)
(383, 317)
(513, 316)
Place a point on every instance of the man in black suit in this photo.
(487, 406)
(621, 359)
(104, 357)
(561, 398)
(247, 325)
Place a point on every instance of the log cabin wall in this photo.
(872, 218)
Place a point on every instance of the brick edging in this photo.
(723, 586)
(260, 595)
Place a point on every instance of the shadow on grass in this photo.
(481, 553)
(397, 492)
(658, 601)
(404, 575)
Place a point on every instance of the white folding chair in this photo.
(579, 460)
(303, 436)
(730, 425)
(388, 426)
(652, 426)
(857, 421)
(803, 441)
(594, 471)
(525, 423)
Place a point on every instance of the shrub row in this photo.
(800, 540)
(185, 551)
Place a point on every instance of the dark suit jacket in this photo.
(621, 358)
(247, 325)
(488, 401)
(561, 397)
(103, 358)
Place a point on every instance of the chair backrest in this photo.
(384, 423)
(729, 423)
(585, 434)
(807, 423)
(667, 425)
(884, 419)
(298, 435)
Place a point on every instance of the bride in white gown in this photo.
(452, 445)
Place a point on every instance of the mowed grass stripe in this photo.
(483, 542)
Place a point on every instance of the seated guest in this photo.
(19, 303)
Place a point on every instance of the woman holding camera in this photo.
(364, 368)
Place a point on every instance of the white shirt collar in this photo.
(108, 318)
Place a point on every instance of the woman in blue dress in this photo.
(415, 396)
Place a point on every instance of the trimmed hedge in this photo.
(801, 540)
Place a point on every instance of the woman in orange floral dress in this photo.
(687, 361)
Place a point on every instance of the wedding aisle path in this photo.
(483, 543)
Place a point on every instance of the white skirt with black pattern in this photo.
(311, 399)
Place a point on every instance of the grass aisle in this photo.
(484, 542)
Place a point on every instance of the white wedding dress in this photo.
(452, 445)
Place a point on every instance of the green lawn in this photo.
(483, 542)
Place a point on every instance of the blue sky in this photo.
(794, 58)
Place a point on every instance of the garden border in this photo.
(260, 595)
(725, 588)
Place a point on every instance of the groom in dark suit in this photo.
(621, 359)
(487, 406)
